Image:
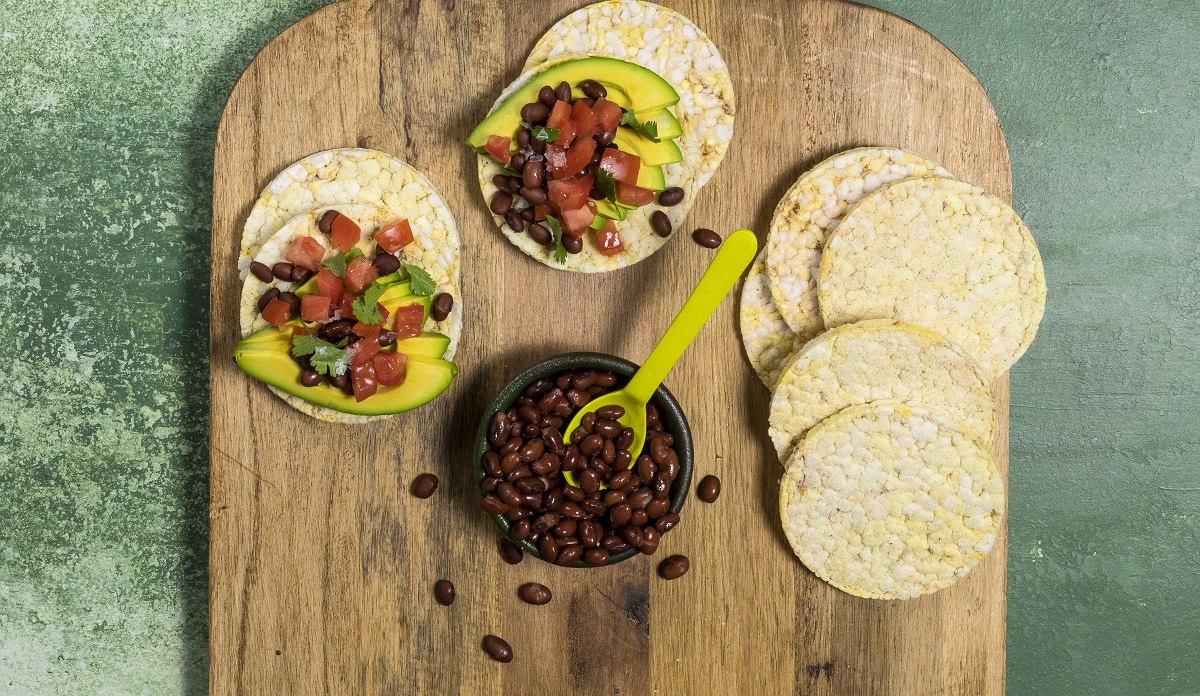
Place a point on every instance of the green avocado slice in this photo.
(668, 126)
(425, 379)
(429, 344)
(651, 153)
(651, 177)
(629, 85)
(613, 211)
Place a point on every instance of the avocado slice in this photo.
(613, 211)
(426, 378)
(652, 153)
(651, 177)
(629, 85)
(429, 344)
(668, 125)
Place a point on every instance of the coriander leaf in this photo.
(366, 308)
(327, 359)
(560, 251)
(606, 184)
(546, 135)
(419, 282)
(648, 130)
(504, 168)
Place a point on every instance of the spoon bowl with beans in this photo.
(625, 409)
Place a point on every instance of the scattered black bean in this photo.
(513, 219)
(534, 593)
(706, 238)
(325, 224)
(710, 488)
(282, 271)
(593, 89)
(671, 196)
(424, 485)
(502, 201)
(674, 567)
(546, 96)
(443, 590)
(261, 271)
(266, 298)
(386, 264)
(510, 552)
(443, 302)
(658, 220)
(497, 648)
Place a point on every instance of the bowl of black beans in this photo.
(624, 501)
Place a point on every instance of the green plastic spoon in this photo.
(734, 256)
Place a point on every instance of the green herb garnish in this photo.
(560, 251)
(337, 264)
(366, 308)
(327, 359)
(606, 184)
(546, 135)
(419, 282)
(648, 130)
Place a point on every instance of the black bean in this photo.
(671, 196)
(443, 590)
(497, 648)
(568, 554)
(593, 89)
(604, 139)
(539, 234)
(266, 298)
(535, 196)
(674, 567)
(535, 112)
(523, 138)
(325, 224)
(513, 219)
(650, 539)
(424, 485)
(502, 201)
(527, 214)
(300, 274)
(667, 522)
(443, 302)
(706, 238)
(595, 557)
(261, 271)
(611, 411)
(533, 174)
(282, 270)
(339, 328)
(292, 301)
(387, 338)
(546, 96)
(503, 182)
(534, 593)
(386, 264)
(660, 222)
(509, 551)
(341, 381)
(573, 245)
(310, 378)
(538, 146)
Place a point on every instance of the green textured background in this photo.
(108, 112)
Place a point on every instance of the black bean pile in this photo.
(524, 482)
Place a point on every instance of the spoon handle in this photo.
(732, 258)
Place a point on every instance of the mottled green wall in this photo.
(107, 114)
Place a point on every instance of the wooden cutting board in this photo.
(322, 564)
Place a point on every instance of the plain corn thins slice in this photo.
(942, 254)
(889, 502)
(768, 340)
(811, 208)
(878, 360)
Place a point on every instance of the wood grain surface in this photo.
(322, 563)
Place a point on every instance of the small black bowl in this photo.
(669, 412)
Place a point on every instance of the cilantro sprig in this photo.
(606, 184)
(546, 135)
(560, 251)
(366, 308)
(648, 130)
(327, 359)
(419, 281)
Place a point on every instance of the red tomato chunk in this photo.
(622, 165)
(498, 146)
(277, 312)
(558, 115)
(408, 321)
(363, 380)
(636, 196)
(359, 274)
(315, 307)
(608, 239)
(328, 284)
(306, 252)
(608, 114)
(345, 233)
(577, 220)
(395, 236)
(390, 368)
(584, 118)
(571, 193)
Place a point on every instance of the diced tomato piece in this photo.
(390, 368)
(277, 312)
(608, 239)
(328, 284)
(623, 166)
(345, 233)
(571, 193)
(395, 236)
(558, 115)
(577, 220)
(540, 212)
(359, 274)
(315, 307)
(306, 252)
(383, 311)
(584, 118)
(567, 134)
(366, 330)
(556, 158)
(345, 308)
(499, 147)
(636, 196)
(578, 157)
(362, 350)
(608, 114)
(363, 380)
(408, 320)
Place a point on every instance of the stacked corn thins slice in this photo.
(887, 300)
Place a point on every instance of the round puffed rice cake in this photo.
(942, 254)
(811, 209)
(768, 340)
(878, 360)
(885, 501)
